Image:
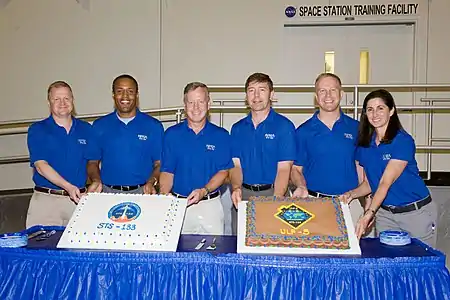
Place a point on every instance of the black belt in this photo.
(55, 192)
(407, 208)
(209, 196)
(125, 188)
(257, 187)
(318, 195)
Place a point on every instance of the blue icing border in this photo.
(251, 227)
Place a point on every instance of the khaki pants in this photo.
(49, 210)
(205, 217)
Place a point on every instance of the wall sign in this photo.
(352, 10)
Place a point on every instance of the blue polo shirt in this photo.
(128, 151)
(409, 186)
(328, 156)
(194, 159)
(259, 150)
(66, 153)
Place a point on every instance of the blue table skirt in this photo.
(382, 272)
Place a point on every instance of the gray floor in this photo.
(13, 210)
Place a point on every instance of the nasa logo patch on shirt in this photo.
(348, 136)
(210, 147)
(269, 136)
(142, 137)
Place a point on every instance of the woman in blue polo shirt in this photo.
(400, 198)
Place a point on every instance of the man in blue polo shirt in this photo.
(60, 147)
(130, 143)
(263, 146)
(326, 143)
(195, 162)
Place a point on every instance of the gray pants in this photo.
(246, 194)
(227, 205)
(107, 189)
(420, 224)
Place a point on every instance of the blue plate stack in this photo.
(13, 240)
(395, 238)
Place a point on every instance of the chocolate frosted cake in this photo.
(296, 223)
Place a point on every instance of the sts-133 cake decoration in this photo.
(125, 222)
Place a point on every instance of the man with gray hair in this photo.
(195, 161)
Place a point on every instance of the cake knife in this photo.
(201, 244)
(212, 246)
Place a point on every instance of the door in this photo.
(369, 54)
(389, 49)
(389, 59)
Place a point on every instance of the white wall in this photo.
(48, 40)
(218, 42)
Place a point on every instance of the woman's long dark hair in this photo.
(366, 129)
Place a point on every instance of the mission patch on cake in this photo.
(124, 212)
(294, 215)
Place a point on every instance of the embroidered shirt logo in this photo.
(386, 156)
(82, 141)
(210, 147)
(269, 136)
(142, 137)
(348, 136)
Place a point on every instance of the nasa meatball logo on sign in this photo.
(352, 10)
(290, 11)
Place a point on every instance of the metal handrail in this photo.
(25, 158)
(431, 102)
(218, 88)
(14, 159)
(21, 126)
(221, 87)
(27, 122)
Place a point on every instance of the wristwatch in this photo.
(207, 190)
(372, 210)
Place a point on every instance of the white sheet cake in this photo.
(125, 222)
